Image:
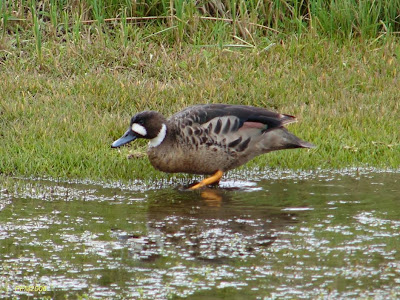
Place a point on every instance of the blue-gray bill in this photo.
(128, 137)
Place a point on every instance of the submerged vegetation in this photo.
(73, 72)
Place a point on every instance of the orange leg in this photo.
(209, 180)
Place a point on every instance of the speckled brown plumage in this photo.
(203, 139)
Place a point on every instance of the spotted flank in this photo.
(211, 139)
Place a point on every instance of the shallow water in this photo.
(289, 235)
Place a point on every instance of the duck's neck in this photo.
(154, 142)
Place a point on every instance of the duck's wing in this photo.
(236, 128)
(202, 114)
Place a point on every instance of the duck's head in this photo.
(149, 125)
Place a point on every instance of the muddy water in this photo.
(316, 235)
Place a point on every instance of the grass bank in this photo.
(69, 88)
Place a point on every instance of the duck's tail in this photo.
(280, 138)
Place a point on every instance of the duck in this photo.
(210, 139)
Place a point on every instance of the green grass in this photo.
(69, 87)
(341, 18)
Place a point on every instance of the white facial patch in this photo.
(139, 129)
(159, 138)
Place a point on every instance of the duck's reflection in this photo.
(212, 225)
(211, 198)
